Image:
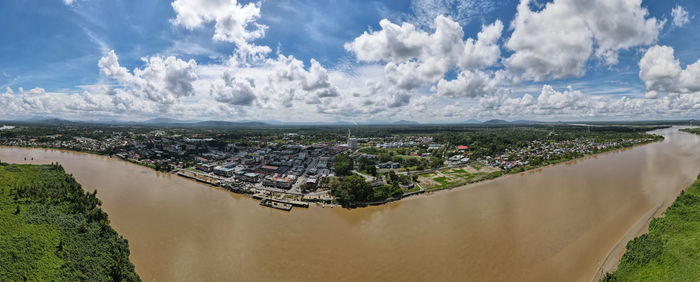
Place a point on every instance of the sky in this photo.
(429, 61)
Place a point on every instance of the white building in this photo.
(352, 143)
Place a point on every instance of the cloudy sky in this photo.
(350, 60)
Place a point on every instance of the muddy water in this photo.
(558, 223)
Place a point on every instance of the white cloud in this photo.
(690, 78)
(550, 99)
(467, 84)
(233, 22)
(162, 80)
(659, 70)
(275, 83)
(414, 57)
(573, 104)
(680, 16)
(662, 73)
(233, 90)
(557, 41)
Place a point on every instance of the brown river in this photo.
(557, 223)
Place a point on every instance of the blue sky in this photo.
(333, 60)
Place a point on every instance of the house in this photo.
(434, 146)
(462, 148)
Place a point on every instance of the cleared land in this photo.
(452, 177)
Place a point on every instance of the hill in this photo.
(50, 230)
(496, 121)
(215, 123)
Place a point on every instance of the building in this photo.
(352, 143)
(205, 167)
(269, 168)
(434, 146)
(251, 177)
(224, 171)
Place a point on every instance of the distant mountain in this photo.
(473, 121)
(496, 121)
(217, 123)
(167, 121)
(406, 122)
(49, 121)
(305, 123)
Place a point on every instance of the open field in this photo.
(453, 177)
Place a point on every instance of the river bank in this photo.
(668, 250)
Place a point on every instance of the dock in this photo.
(200, 178)
(294, 203)
(276, 205)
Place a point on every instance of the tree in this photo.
(343, 165)
(352, 189)
(372, 170)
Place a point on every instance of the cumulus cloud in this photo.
(662, 73)
(680, 16)
(275, 83)
(162, 80)
(660, 70)
(467, 84)
(414, 57)
(233, 90)
(233, 22)
(37, 101)
(551, 103)
(557, 41)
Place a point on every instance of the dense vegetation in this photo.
(691, 130)
(51, 230)
(671, 249)
(354, 189)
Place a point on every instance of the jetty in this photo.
(199, 177)
(276, 204)
(292, 203)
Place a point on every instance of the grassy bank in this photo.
(691, 130)
(671, 249)
(51, 230)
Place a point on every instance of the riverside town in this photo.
(332, 166)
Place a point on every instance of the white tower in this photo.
(352, 142)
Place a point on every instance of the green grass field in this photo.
(671, 249)
(50, 230)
